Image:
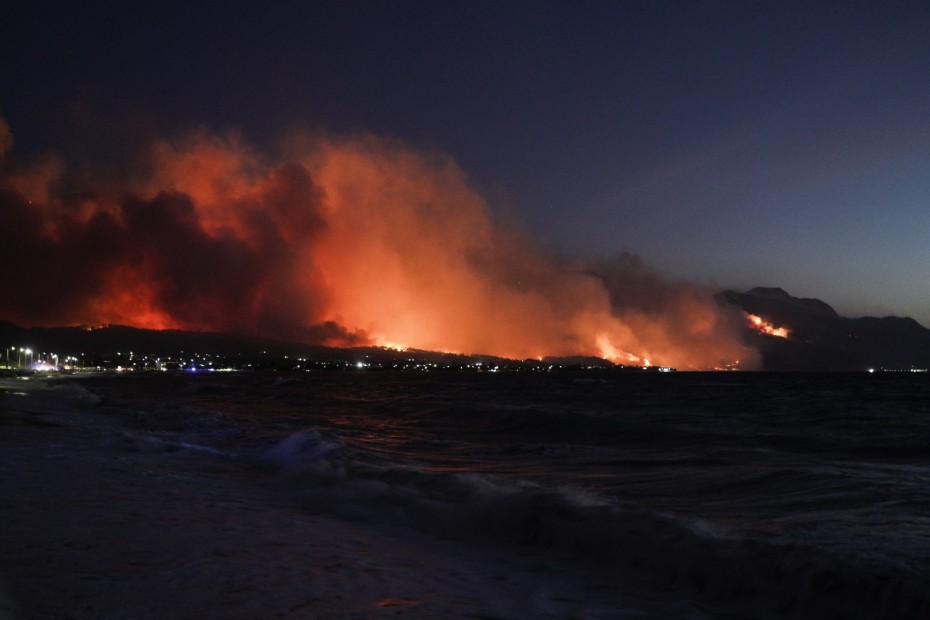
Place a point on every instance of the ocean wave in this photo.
(749, 507)
(695, 559)
(171, 417)
(300, 450)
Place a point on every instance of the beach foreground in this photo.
(99, 523)
(465, 495)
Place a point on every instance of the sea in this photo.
(739, 495)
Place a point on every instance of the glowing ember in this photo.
(764, 327)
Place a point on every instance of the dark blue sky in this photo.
(746, 143)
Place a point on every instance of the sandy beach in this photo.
(99, 522)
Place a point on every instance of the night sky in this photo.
(733, 143)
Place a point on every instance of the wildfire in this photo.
(343, 242)
(765, 327)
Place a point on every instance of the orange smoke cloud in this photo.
(350, 241)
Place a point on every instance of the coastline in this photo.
(97, 523)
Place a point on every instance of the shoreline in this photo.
(99, 524)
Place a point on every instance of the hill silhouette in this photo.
(821, 339)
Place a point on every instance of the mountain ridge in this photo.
(820, 339)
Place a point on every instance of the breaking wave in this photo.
(659, 552)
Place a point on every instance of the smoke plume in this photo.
(347, 241)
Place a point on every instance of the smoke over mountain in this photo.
(345, 241)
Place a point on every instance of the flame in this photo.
(342, 242)
(387, 344)
(611, 353)
(765, 327)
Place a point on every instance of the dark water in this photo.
(753, 495)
